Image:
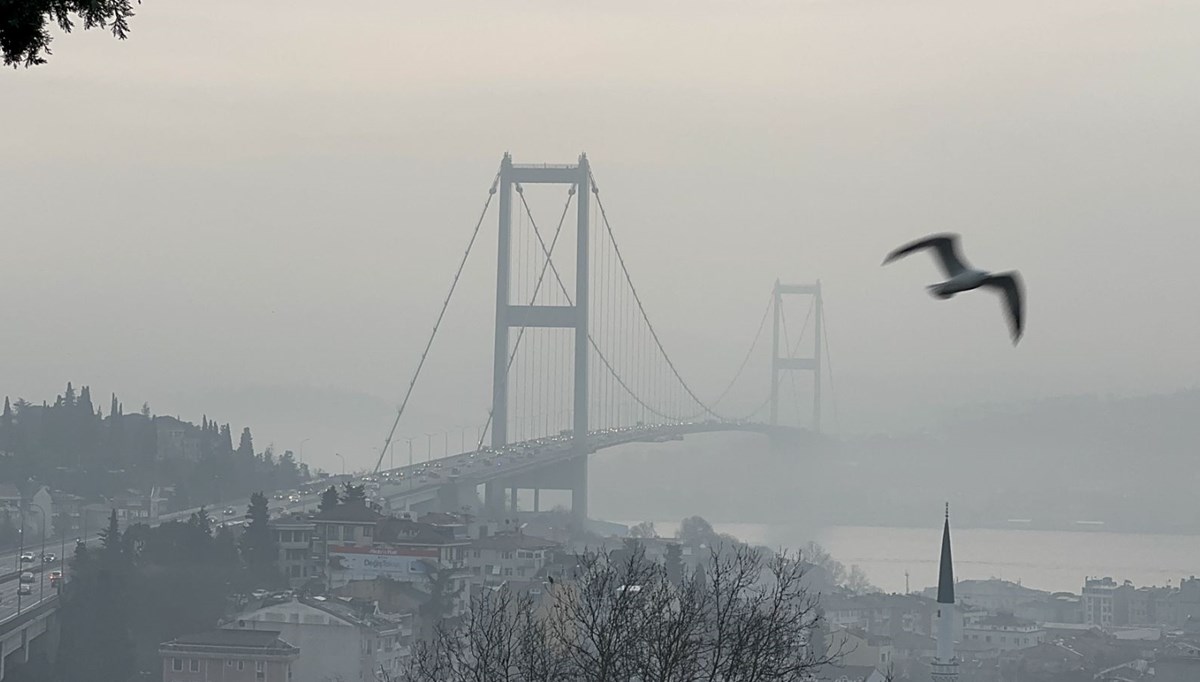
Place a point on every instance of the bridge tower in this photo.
(786, 362)
(575, 317)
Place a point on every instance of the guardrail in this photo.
(16, 620)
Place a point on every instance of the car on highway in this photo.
(27, 577)
(49, 558)
(55, 576)
(260, 594)
(25, 589)
(230, 511)
(27, 557)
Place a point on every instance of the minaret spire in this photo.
(945, 664)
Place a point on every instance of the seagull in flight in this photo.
(962, 277)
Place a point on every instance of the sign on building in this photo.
(367, 563)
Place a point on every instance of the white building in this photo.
(1098, 601)
(1001, 632)
(336, 640)
(508, 556)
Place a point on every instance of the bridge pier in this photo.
(537, 506)
(493, 502)
(579, 490)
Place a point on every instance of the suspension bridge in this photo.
(578, 364)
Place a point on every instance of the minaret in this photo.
(945, 664)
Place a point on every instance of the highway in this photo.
(419, 478)
(482, 465)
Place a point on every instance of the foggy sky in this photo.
(248, 206)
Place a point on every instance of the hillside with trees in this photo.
(73, 446)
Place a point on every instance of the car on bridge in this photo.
(27, 577)
(55, 576)
(27, 557)
(25, 589)
(49, 558)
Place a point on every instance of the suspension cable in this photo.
(749, 352)
(829, 363)
(638, 299)
(438, 323)
(563, 287)
(536, 288)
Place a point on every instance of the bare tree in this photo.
(483, 648)
(745, 618)
(600, 618)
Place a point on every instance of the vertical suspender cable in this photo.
(387, 442)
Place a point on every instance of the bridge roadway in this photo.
(426, 482)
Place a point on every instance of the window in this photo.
(194, 665)
(241, 665)
(259, 666)
(229, 663)
(368, 531)
(177, 664)
(476, 554)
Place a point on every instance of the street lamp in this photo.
(42, 573)
(302, 449)
(20, 551)
(429, 447)
(339, 456)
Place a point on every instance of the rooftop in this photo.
(404, 531)
(344, 513)
(243, 641)
(513, 541)
(442, 519)
(1004, 620)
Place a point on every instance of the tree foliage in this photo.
(69, 445)
(144, 586)
(354, 495)
(645, 529)
(259, 548)
(329, 499)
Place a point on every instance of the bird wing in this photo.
(1010, 284)
(947, 250)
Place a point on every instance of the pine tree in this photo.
(258, 543)
(110, 538)
(226, 439)
(200, 519)
(354, 495)
(246, 445)
(329, 499)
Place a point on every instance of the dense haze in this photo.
(254, 210)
